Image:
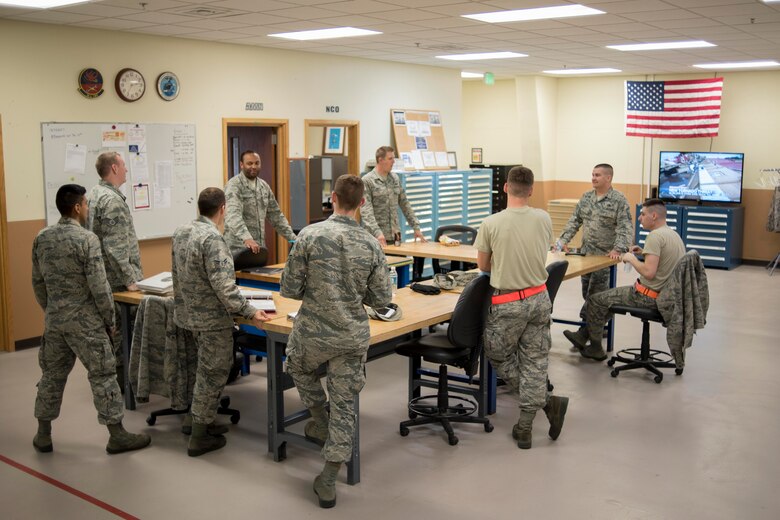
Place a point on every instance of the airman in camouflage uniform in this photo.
(249, 202)
(384, 194)
(512, 245)
(110, 219)
(335, 268)
(205, 297)
(606, 217)
(663, 250)
(69, 282)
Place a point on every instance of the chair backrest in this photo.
(555, 273)
(246, 259)
(465, 234)
(468, 318)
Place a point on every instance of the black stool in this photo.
(643, 357)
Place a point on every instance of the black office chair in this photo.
(466, 235)
(644, 356)
(459, 346)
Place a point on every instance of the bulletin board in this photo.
(419, 140)
(161, 185)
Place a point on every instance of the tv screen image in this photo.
(704, 176)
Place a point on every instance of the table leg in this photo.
(275, 397)
(353, 465)
(611, 322)
(127, 334)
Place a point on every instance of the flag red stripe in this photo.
(689, 99)
(664, 127)
(691, 90)
(672, 136)
(692, 81)
(691, 109)
(673, 118)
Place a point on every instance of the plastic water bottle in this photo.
(393, 276)
(558, 246)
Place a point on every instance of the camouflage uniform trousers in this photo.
(598, 307)
(593, 283)
(215, 357)
(346, 378)
(517, 343)
(116, 338)
(56, 358)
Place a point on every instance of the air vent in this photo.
(204, 11)
(443, 47)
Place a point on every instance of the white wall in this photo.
(41, 63)
(579, 122)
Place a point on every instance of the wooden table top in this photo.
(393, 261)
(462, 253)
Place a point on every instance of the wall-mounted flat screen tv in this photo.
(701, 176)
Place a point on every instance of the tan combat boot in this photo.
(325, 484)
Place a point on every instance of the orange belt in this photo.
(641, 289)
(518, 295)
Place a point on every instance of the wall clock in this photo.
(168, 86)
(130, 85)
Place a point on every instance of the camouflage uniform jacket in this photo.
(69, 280)
(247, 208)
(607, 223)
(335, 267)
(383, 197)
(110, 220)
(158, 356)
(204, 281)
(684, 302)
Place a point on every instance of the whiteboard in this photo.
(161, 185)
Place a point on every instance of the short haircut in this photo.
(210, 200)
(349, 189)
(247, 152)
(519, 181)
(605, 166)
(656, 206)
(382, 151)
(68, 196)
(104, 163)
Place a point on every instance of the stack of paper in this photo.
(263, 305)
(256, 294)
(158, 284)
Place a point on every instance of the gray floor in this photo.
(702, 445)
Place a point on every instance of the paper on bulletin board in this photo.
(141, 196)
(423, 128)
(411, 128)
(407, 160)
(114, 136)
(163, 174)
(136, 136)
(75, 158)
(429, 159)
(139, 167)
(162, 197)
(441, 160)
(417, 159)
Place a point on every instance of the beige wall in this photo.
(40, 65)
(562, 127)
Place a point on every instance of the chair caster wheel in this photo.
(235, 418)
(488, 427)
(151, 420)
(678, 371)
(452, 440)
(412, 415)
(404, 431)
(658, 379)
(614, 373)
(611, 362)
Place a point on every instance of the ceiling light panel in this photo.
(540, 13)
(323, 34)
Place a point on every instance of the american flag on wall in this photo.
(681, 108)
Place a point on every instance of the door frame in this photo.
(6, 336)
(281, 171)
(353, 139)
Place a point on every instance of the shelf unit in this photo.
(442, 198)
(714, 231)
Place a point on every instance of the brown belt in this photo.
(641, 289)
